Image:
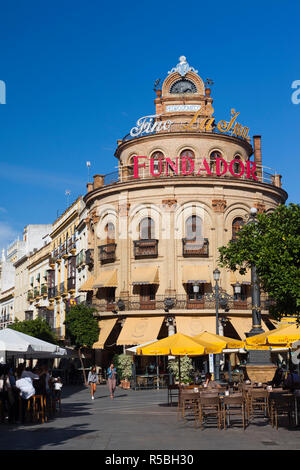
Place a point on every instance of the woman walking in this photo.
(112, 379)
(93, 379)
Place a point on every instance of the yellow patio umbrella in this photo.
(219, 342)
(177, 345)
(283, 335)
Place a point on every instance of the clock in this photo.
(183, 86)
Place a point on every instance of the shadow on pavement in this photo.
(20, 438)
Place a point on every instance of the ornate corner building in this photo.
(184, 187)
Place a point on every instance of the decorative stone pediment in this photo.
(219, 205)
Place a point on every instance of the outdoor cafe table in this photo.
(150, 378)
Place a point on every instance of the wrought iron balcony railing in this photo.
(178, 302)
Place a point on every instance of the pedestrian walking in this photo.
(93, 379)
(112, 379)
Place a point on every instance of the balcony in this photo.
(195, 304)
(71, 244)
(71, 283)
(145, 248)
(107, 253)
(80, 259)
(36, 292)
(62, 289)
(89, 257)
(44, 290)
(180, 302)
(30, 296)
(195, 248)
(52, 292)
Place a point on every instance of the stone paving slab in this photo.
(136, 420)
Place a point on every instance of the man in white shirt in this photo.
(26, 387)
(27, 390)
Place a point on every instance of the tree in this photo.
(38, 328)
(82, 329)
(273, 246)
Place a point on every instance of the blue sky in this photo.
(80, 73)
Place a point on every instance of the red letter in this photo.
(241, 166)
(172, 165)
(250, 172)
(186, 172)
(137, 165)
(206, 167)
(155, 173)
(218, 171)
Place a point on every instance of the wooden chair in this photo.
(186, 402)
(173, 392)
(208, 406)
(37, 405)
(281, 406)
(257, 402)
(234, 405)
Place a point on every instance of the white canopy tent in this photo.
(16, 344)
(132, 351)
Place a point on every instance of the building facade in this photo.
(14, 274)
(185, 186)
(61, 277)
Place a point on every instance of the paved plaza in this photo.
(135, 420)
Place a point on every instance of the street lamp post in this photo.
(255, 290)
(217, 357)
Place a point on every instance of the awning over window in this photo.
(139, 330)
(106, 327)
(106, 279)
(145, 275)
(193, 326)
(191, 274)
(87, 285)
(242, 325)
(237, 277)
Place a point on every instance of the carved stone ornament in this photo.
(170, 203)
(219, 205)
(182, 67)
(261, 208)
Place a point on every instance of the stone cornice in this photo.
(171, 135)
(203, 181)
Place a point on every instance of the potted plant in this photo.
(123, 364)
(186, 369)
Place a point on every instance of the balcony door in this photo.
(147, 297)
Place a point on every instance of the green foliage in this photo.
(81, 326)
(123, 364)
(186, 369)
(38, 328)
(273, 246)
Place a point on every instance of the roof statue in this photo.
(183, 67)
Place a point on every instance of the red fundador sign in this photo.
(186, 166)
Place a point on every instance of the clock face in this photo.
(183, 86)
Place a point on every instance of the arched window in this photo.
(237, 224)
(193, 228)
(237, 165)
(147, 229)
(110, 233)
(188, 154)
(212, 160)
(130, 166)
(158, 162)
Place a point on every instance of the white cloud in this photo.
(7, 235)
